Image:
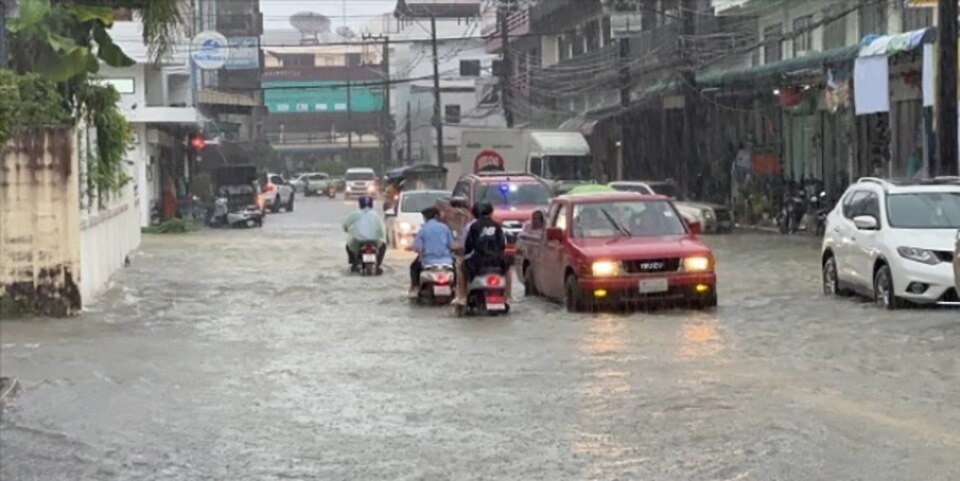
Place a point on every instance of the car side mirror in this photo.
(555, 234)
(866, 222)
(695, 227)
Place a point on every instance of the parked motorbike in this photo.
(486, 295)
(436, 285)
(222, 216)
(368, 259)
(791, 216)
(822, 210)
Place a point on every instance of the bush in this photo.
(28, 101)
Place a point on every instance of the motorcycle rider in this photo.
(433, 245)
(484, 245)
(363, 226)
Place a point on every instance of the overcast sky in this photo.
(358, 12)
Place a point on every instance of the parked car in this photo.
(617, 249)
(277, 193)
(404, 222)
(714, 218)
(311, 183)
(360, 181)
(894, 241)
(514, 198)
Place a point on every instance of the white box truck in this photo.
(562, 158)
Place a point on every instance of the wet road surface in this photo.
(250, 354)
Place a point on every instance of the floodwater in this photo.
(251, 355)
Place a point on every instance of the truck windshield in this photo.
(668, 190)
(360, 176)
(417, 201)
(568, 167)
(636, 218)
(513, 194)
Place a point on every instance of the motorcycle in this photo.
(331, 190)
(821, 209)
(368, 259)
(222, 216)
(791, 216)
(436, 285)
(486, 295)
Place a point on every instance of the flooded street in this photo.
(251, 355)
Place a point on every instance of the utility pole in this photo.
(349, 124)
(623, 58)
(386, 123)
(506, 66)
(3, 33)
(437, 108)
(688, 29)
(409, 132)
(947, 93)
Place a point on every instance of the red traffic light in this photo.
(197, 142)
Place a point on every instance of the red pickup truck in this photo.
(619, 249)
(514, 198)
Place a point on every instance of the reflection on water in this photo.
(700, 338)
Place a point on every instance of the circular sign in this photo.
(488, 160)
(209, 50)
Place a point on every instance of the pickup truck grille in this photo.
(649, 266)
(723, 215)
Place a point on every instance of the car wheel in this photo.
(707, 302)
(831, 282)
(290, 204)
(529, 285)
(275, 205)
(572, 296)
(883, 290)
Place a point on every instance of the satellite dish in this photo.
(346, 32)
(310, 25)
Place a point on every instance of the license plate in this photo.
(442, 290)
(369, 258)
(496, 303)
(651, 286)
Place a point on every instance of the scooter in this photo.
(222, 217)
(486, 295)
(368, 259)
(791, 216)
(331, 191)
(823, 210)
(436, 285)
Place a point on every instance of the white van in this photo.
(359, 182)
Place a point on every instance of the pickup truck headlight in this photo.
(605, 268)
(923, 256)
(696, 264)
(405, 227)
(707, 214)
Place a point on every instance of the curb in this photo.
(8, 387)
(758, 228)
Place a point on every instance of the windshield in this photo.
(568, 167)
(668, 190)
(419, 201)
(929, 210)
(360, 176)
(513, 194)
(629, 218)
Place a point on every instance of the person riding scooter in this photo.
(484, 245)
(433, 244)
(364, 226)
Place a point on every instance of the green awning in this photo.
(214, 128)
(774, 72)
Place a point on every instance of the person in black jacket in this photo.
(485, 244)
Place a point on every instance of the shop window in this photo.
(802, 35)
(835, 32)
(772, 46)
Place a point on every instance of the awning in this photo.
(582, 124)
(893, 44)
(776, 71)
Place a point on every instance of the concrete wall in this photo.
(39, 224)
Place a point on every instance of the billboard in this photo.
(325, 96)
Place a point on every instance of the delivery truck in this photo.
(559, 157)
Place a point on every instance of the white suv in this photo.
(360, 182)
(893, 241)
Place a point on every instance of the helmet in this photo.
(483, 209)
(365, 201)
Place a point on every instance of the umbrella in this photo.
(591, 189)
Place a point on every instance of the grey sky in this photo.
(358, 12)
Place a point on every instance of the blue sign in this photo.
(244, 53)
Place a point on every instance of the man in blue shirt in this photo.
(434, 244)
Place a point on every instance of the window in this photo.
(852, 203)
(873, 19)
(354, 60)
(592, 33)
(462, 189)
(563, 47)
(417, 202)
(560, 218)
(772, 48)
(577, 46)
(125, 85)
(915, 18)
(802, 35)
(630, 218)
(451, 114)
(927, 210)
(298, 60)
(536, 166)
(871, 206)
(835, 32)
(513, 194)
(469, 68)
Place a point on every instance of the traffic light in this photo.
(197, 142)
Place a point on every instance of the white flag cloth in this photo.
(929, 75)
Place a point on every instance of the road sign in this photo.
(210, 50)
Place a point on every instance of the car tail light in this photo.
(493, 280)
(268, 188)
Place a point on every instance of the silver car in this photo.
(713, 218)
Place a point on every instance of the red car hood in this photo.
(521, 213)
(637, 247)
